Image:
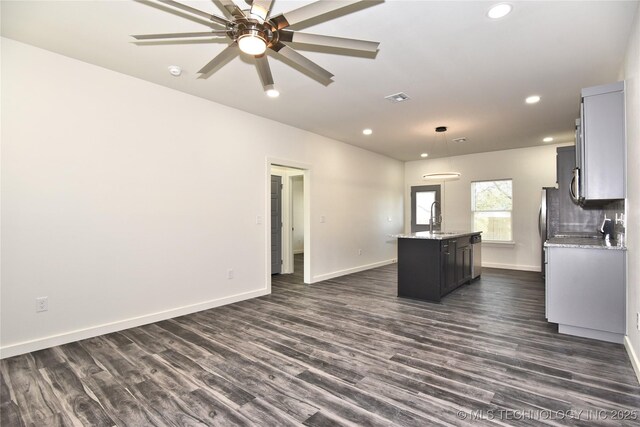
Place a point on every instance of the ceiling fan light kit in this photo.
(252, 43)
(254, 32)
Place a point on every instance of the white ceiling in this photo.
(460, 68)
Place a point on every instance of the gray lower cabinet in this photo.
(586, 292)
(428, 269)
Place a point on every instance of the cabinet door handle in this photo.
(574, 187)
(540, 222)
(573, 182)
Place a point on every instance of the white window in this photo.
(491, 204)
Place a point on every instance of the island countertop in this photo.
(436, 235)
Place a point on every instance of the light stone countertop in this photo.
(442, 235)
(582, 242)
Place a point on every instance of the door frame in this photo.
(286, 248)
(291, 180)
(306, 169)
(412, 200)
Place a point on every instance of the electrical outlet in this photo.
(42, 304)
(259, 220)
(229, 274)
(323, 219)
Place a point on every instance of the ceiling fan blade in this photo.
(309, 11)
(320, 73)
(329, 41)
(179, 35)
(219, 61)
(194, 11)
(261, 8)
(231, 8)
(264, 71)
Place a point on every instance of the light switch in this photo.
(322, 219)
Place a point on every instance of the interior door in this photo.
(422, 198)
(276, 224)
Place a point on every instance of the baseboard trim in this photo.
(106, 328)
(635, 362)
(511, 266)
(332, 275)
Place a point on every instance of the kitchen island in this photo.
(432, 264)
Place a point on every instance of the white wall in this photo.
(632, 77)
(122, 201)
(297, 197)
(530, 168)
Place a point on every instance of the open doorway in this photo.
(288, 214)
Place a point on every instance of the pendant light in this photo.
(442, 176)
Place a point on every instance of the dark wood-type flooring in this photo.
(345, 351)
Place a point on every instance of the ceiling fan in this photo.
(254, 30)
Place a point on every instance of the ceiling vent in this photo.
(463, 139)
(397, 97)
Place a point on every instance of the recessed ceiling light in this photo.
(423, 155)
(533, 99)
(548, 139)
(273, 93)
(175, 70)
(367, 132)
(500, 10)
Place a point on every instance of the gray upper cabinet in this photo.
(600, 145)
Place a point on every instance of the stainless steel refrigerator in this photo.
(559, 216)
(547, 219)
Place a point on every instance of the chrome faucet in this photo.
(435, 219)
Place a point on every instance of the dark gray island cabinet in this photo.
(430, 265)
